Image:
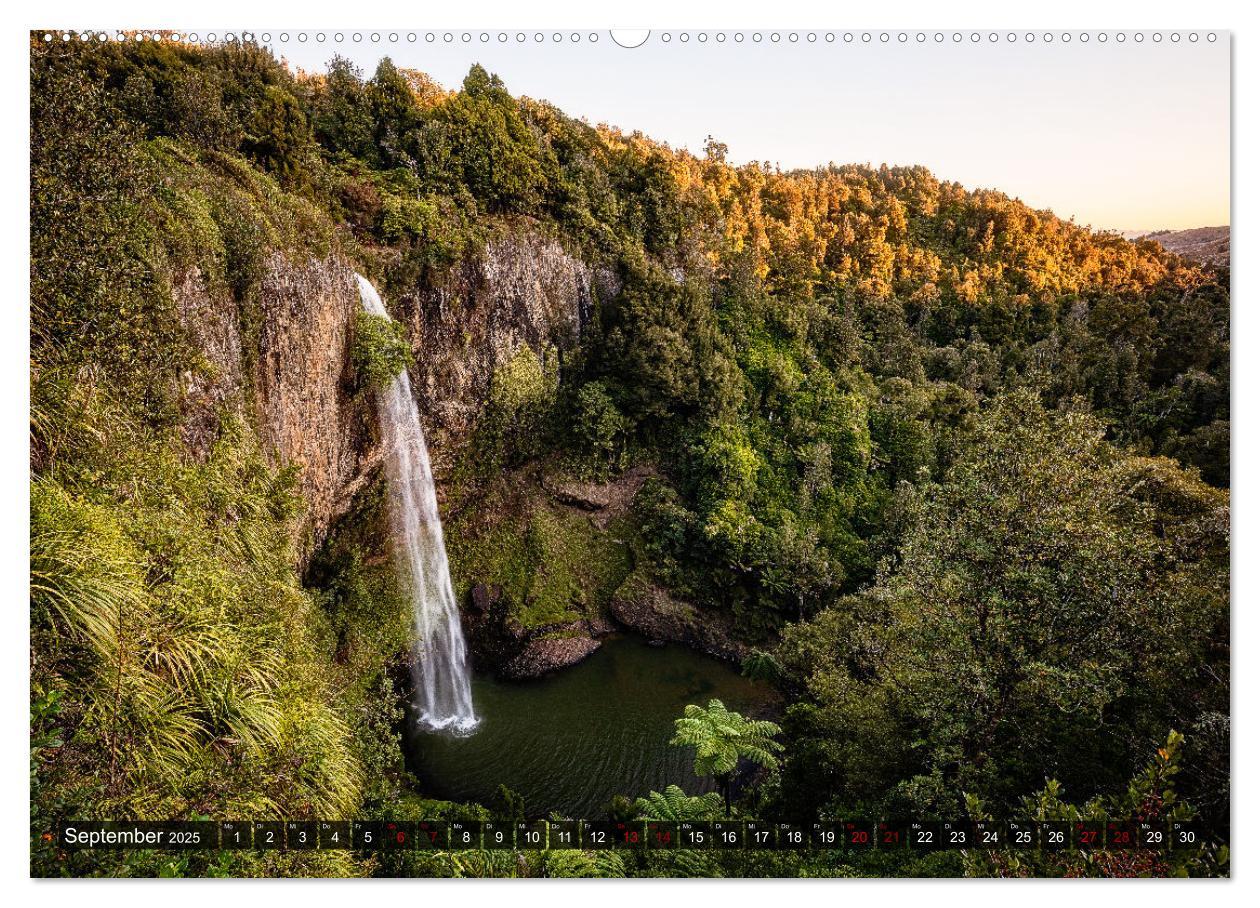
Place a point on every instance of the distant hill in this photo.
(1209, 245)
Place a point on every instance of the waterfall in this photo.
(443, 691)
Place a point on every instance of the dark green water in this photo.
(570, 742)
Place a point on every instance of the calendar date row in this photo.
(374, 835)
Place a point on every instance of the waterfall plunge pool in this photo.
(567, 743)
(571, 741)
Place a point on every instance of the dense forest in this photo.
(952, 472)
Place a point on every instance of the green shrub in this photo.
(405, 218)
(380, 350)
(522, 400)
(600, 428)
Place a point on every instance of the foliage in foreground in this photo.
(1151, 796)
(180, 668)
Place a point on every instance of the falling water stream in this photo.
(443, 688)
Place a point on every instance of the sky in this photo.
(1120, 136)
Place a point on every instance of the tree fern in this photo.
(761, 666)
(675, 805)
(722, 738)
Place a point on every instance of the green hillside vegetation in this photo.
(960, 467)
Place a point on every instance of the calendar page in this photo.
(622, 453)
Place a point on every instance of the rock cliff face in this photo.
(213, 323)
(303, 383)
(290, 376)
(283, 363)
(518, 290)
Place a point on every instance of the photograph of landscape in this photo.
(804, 436)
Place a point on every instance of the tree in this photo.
(508, 805)
(521, 400)
(722, 738)
(1052, 596)
(279, 137)
(669, 360)
(599, 426)
(340, 112)
(395, 113)
(479, 138)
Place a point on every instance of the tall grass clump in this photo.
(166, 609)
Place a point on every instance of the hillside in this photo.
(949, 472)
(1209, 245)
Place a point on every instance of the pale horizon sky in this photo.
(1120, 136)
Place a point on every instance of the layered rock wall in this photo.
(284, 361)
